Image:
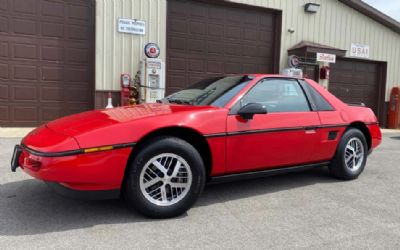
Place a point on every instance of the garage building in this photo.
(61, 57)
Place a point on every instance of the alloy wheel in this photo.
(354, 154)
(165, 179)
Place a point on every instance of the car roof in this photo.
(274, 76)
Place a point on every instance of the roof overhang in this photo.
(373, 13)
(305, 48)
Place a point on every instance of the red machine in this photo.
(125, 89)
(394, 109)
(324, 73)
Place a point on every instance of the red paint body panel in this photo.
(92, 171)
(271, 140)
(268, 150)
(46, 140)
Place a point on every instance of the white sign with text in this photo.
(131, 26)
(359, 50)
(324, 57)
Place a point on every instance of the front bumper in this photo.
(15, 158)
(86, 171)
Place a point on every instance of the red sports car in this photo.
(159, 156)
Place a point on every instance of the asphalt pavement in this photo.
(308, 210)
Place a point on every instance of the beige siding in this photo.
(118, 53)
(335, 24)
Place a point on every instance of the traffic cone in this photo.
(109, 101)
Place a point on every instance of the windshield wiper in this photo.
(178, 101)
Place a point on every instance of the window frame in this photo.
(313, 102)
(310, 105)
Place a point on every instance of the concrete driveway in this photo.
(304, 210)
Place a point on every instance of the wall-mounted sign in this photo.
(131, 26)
(152, 50)
(328, 58)
(359, 50)
(293, 61)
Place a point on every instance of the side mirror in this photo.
(248, 111)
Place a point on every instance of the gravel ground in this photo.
(303, 210)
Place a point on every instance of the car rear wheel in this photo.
(165, 178)
(351, 155)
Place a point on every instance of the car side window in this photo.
(277, 95)
(320, 103)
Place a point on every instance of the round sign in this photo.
(294, 61)
(152, 50)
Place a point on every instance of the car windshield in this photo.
(215, 91)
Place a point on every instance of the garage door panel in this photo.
(25, 27)
(218, 14)
(233, 32)
(50, 53)
(24, 93)
(25, 51)
(3, 92)
(215, 30)
(52, 94)
(25, 72)
(198, 11)
(196, 65)
(79, 12)
(210, 39)
(3, 49)
(195, 45)
(52, 30)
(48, 49)
(355, 81)
(4, 113)
(216, 67)
(26, 113)
(4, 26)
(52, 74)
(3, 4)
(25, 6)
(4, 71)
(53, 9)
(51, 113)
(76, 55)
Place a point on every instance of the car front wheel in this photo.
(351, 155)
(165, 178)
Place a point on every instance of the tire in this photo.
(155, 186)
(352, 138)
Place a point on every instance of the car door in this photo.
(287, 135)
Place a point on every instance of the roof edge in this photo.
(373, 13)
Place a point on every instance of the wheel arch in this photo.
(192, 136)
(364, 129)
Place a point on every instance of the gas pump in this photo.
(125, 89)
(152, 78)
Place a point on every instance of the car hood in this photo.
(91, 120)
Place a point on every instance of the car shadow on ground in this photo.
(29, 207)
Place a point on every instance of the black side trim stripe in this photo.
(264, 173)
(75, 152)
(257, 131)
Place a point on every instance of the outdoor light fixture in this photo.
(311, 7)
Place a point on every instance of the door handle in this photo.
(310, 130)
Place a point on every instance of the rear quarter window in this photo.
(319, 101)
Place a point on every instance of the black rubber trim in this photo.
(371, 123)
(257, 131)
(73, 152)
(264, 173)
